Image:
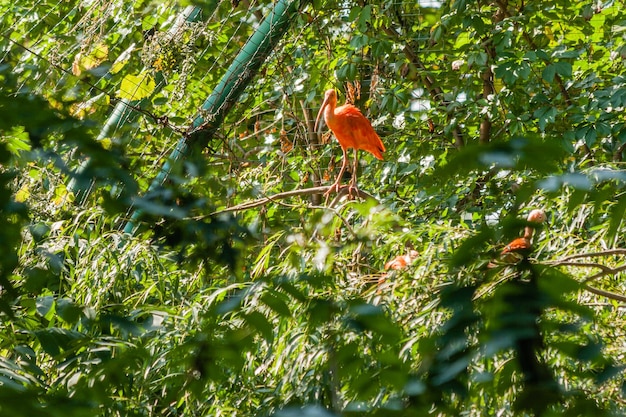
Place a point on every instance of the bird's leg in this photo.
(335, 185)
(352, 186)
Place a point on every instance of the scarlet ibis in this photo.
(352, 130)
(522, 245)
(397, 263)
(402, 261)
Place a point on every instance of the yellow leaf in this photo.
(100, 52)
(497, 84)
(62, 195)
(117, 66)
(22, 194)
(85, 108)
(83, 62)
(88, 62)
(106, 143)
(136, 87)
(54, 103)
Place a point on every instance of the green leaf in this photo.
(274, 301)
(39, 231)
(259, 322)
(617, 211)
(371, 317)
(365, 17)
(563, 68)
(309, 411)
(56, 340)
(37, 279)
(545, 115)
(548, 73)
(136, 87)
(45, 306)
(68, 310)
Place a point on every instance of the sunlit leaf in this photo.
(136, 87)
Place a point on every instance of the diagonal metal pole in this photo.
(242, 70)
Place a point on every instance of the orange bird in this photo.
(352, 130)
(522, 245)
(402, 261)
(398, 263)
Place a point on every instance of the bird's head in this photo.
(537, 216)
(330, 98)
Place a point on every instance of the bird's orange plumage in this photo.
(402, 261)
(522, 245)
(351, 129)
(517, 245)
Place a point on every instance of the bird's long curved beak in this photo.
(319, 114)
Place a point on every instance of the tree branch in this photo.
(488, 88)
(604, 270)
(313, 142)
(618, 155)
(286, 194)
(485, 124)
(603, 293)
(608, 252)
(583, 265)
(611, 271)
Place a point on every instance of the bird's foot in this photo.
(333, 188)
(353, 191)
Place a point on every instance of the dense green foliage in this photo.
(214, 306)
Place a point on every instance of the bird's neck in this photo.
(329, 113)
(528, 232)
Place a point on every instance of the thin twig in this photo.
(609, 252)
(603, 293)
(286, 194)
(604, 270)
(337, 213)
(488, 287)
(488, 88)
(612, 271)
(582, 265)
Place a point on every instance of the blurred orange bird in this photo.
(352, 130)
(398, 263)
(522, 245)
(402, 261)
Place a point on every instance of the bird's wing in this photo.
(361, 134)
(519, 244)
